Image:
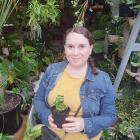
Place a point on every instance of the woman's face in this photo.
(77, 49)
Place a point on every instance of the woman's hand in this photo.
(74, 124)
(51, 122)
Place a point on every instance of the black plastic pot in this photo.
(59, 117)
(91, 2)
(10, 121)
(134, 69)
(67, 3)
(125, 11)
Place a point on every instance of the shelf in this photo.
(134, 75)
(130, 46)
(97, 7)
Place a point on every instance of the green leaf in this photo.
(98, 47)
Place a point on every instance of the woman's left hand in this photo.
(74, 124)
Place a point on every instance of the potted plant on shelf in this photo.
(135, 62)
(59, 111)
(115, 30)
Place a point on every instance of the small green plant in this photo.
(6, 137)
(135, 60)
(59, 103)
(99, 47)
(116, 26)
(98, 34)
(32, 132)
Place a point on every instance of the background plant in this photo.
(128, 111)
(80, 10)
(116, 26)
(6, 8)
(6, 137)
(42, 14)
(135, 58)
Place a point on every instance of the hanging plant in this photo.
(80, 13)
(42, 14)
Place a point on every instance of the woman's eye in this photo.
(69, 46)
(81, 46)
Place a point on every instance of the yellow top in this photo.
(69, 87)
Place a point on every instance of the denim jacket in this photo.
(97, 98)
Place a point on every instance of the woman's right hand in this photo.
(51, 122)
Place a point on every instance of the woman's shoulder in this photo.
(57, 65)
(104, 81)
(103, 74)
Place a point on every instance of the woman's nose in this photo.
(75, 51)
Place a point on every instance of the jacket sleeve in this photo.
(107, 114)
(39, 99)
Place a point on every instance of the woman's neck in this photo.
(77, 72)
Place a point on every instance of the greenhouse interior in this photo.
(32, 34)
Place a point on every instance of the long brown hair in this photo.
(84, 31)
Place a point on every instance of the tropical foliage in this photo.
(6, 8)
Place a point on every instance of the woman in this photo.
(80, 82)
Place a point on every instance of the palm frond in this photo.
(6, 8)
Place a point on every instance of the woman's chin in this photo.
(76, 64)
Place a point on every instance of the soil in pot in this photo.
(59, 117)
(10, 118)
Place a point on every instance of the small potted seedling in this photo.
(135, 62)
(59, 111)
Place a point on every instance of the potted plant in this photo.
(115, 30)
(10, 118)
(59, 111)
(135, 62)
(17, 78)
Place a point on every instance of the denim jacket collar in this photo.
(89, 74)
